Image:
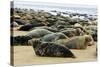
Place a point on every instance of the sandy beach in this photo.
(24, 55)
(31, 24)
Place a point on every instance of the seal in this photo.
(92, 31)
(22, 40)
(53, 37)
(69, 32)
(14, 24)
(79, 42)
(37, 33)
(49, 49)
(20, 21)
(26, 27)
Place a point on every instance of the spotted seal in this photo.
(49, 49)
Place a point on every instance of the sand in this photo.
(25, 55)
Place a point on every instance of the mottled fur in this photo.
(50, 49)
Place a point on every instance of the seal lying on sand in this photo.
(92, 30)
(14, 24)
(93, 34)
(20, 40)
(53, 37)
(79, 42)
(37, 33)
(20, 21)
(26, 27)
(50, 49)
(47, 28)
(69, 32)
(52, 29)
(29, 26)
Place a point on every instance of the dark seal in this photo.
(50, 49)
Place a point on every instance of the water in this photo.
(83, 9)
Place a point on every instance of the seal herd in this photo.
(53, 35)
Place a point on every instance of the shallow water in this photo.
(73, 8)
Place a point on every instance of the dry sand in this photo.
(24, 55)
